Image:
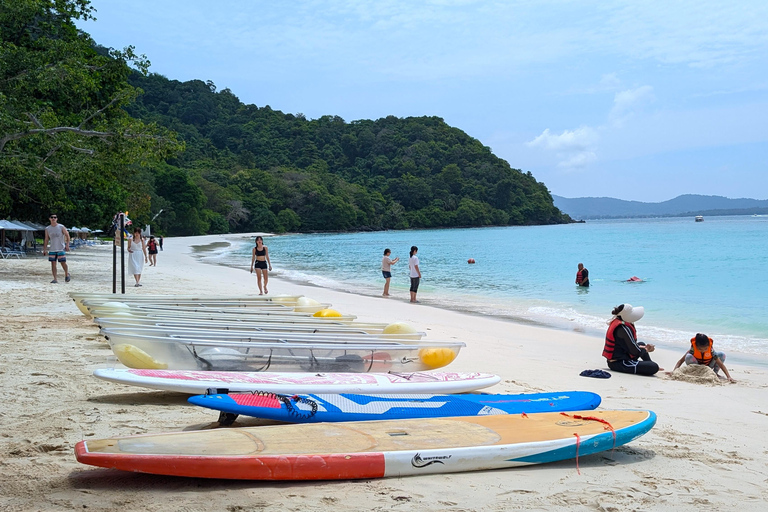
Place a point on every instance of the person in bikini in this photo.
(260, 263)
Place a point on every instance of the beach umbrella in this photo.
(13, 226)
(7, 225)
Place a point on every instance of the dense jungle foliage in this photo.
(94, 136)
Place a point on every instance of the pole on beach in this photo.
(122, 253)
(114, 267)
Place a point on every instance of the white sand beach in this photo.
(708, 450)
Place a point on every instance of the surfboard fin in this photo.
(226, 419)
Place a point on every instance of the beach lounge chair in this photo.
(7, 252)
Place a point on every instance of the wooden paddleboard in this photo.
(316, 408)
(197, 382)
(370, 449)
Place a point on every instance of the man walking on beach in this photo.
(59, 239)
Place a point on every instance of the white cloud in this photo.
(570, 140)
(574, 148)
(609, 81)
(581, 159)
(625, 103)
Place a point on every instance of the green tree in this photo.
(65, 136)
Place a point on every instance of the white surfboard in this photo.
(197, 382)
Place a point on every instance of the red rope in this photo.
(578, 440)
(591, 418)
(524, 415)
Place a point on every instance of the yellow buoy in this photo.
(327, 313)
(307, 305)
(115, 305)
(436, 357)
(399, 328)
(133, 357)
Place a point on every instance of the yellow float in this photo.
(133, 357)
(327, 313)
(399, 328)
(436, 357)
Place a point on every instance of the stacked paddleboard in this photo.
(366, 398)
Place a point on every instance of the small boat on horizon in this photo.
(699, 218)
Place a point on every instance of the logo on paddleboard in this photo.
(421, 462)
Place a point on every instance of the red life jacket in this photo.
(578, 277)
(703, 357)
(151, 245)
(610, 340)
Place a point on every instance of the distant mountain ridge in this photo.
(687, 204)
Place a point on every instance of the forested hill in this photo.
(248, 168)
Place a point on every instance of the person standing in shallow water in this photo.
(582, 276)
(260, 263)
(386, 270)
(415, 272)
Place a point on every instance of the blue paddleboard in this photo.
(351, 407)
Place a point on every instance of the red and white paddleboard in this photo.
(370, 449)
(197, 382)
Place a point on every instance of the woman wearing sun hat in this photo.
(622, 350)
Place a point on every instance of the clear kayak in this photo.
(157, 352)
(250, 329)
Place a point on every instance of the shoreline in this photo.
(555, 324)
(706, 449)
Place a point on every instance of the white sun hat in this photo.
(631, 313)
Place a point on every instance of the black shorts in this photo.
(386, 274)
(415, 284)
(260, 264)
(152, 252)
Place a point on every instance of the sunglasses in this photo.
(53, 217)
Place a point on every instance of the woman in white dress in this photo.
(137, 255)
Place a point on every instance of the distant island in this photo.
(585, 208)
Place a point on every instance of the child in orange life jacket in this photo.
(701, 352)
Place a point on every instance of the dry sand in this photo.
(708, 450)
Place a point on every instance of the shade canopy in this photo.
(13, 226)
(31, 225)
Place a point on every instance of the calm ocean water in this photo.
(709, 276)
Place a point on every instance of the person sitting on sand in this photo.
(622, 350)
(702, 352)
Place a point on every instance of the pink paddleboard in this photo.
(197, 382)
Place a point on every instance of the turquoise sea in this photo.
(709, 276)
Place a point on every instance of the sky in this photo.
(635, 100)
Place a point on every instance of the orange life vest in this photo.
(702, 356)
(610, 340)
